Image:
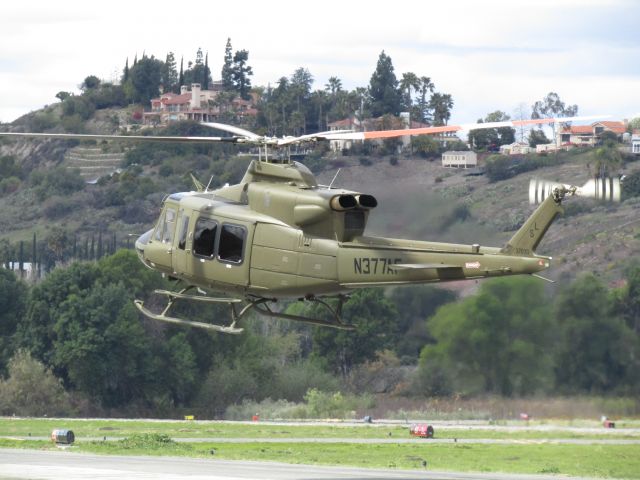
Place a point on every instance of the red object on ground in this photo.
(255, 418)
(609, 424)
(421, 430)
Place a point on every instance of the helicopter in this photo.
(278, 234)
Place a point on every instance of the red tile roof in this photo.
(616, 127)
(178, 99)
(579, 130)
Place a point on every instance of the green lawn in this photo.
(191, 429)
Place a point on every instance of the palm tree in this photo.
(333, 85)
(409, 81)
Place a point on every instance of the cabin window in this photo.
(204, 237)
(231, 243)
(184, 228)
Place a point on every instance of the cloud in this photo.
(489, 55)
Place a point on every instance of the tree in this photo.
(375, 317)
(627, 299)
(91, 82)
(608, 157)
(227, 68)
(300, 90)
(241, 73)
(385, 97)
(494, 342)
(426, 86)
(415, 304)
(62, 95)
(596, 351)
(537, 137)
(13, 296)
(145, 78)
(492, 138)
(409, 82)
(206, 73)
(441, 105)
(198, 72)
(333, 85)
(31, 389)
(170, 75)
(125, 72)
(551, 106)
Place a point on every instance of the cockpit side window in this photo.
(204, 237)
(231, 246)
(184, 229)
(169, 225)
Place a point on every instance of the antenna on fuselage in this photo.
(206, 189)
(334, 179)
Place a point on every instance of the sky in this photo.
(489, 55)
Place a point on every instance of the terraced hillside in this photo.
(93, 162)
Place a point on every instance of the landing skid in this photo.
(259, 304)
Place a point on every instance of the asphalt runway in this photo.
(41, 465)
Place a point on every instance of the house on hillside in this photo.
(587, 135)
(516, 148)
(635, 142)
(196, 104)
(460, 159)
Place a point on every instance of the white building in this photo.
(456, 159)
(516, 148)
(635, 142)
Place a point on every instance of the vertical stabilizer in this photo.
(526, 239)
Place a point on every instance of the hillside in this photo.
(599, 238)
(417, 198)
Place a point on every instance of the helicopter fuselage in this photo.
(312, 245)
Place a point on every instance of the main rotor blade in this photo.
(311, 136)
(231, 129)
(126, 138)
(453, 128)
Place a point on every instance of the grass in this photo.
(207, 429)
(608, 461)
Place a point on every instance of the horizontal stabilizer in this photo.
(421, 266)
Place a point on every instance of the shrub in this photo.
(31, 389)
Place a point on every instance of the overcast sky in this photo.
(489, 55)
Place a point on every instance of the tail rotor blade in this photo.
(603, 189)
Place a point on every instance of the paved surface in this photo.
(37, 465)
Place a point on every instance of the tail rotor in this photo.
(603, 189)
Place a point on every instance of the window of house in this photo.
(204, 237)
(231, 245)
(184, 228)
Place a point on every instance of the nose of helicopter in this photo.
(141, 243)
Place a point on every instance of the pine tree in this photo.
(205, 73)
(100, 251)
(227, 68)
(170, 74)
(125, 73)
(181, 77)
(385, 95)
(241, 73)
(21, 258)
(33, 253)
